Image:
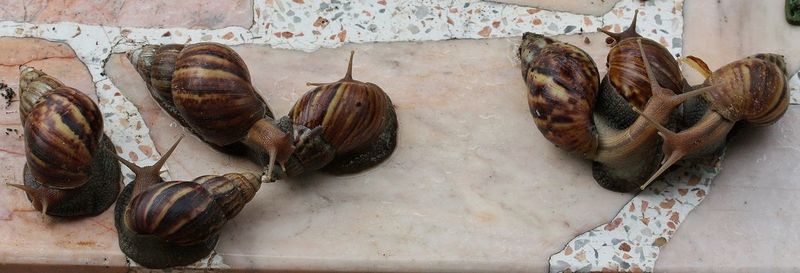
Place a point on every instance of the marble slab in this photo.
(159, 13)
(25, 238)
(463, 185)
(591, 7)
(473, 205)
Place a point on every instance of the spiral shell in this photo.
(352, 114)
(751, 89)
(206, 86)
(33, 84)
(357, 122)
(562, 82)
(626, 72)
(62, 135)
(188, 213)
(156, 65)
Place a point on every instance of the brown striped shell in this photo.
(751, 89)
(156, 65)
(211, 89)
(188, 213)
(562, 82)
(351, 113)
(33, 84)
(205, 85)
(62, 135)
(626, 72)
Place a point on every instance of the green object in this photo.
(793, 12)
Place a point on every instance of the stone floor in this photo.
(463, 192)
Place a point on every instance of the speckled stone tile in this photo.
(300, 213)
(159, 13)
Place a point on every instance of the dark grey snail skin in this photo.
(94, 197)
(151, 251)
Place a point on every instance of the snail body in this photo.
(343, 127)
(753, 90)
(578, 113)
(173, 223)
(69, 170)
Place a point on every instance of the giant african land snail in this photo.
(69, 170)
(173, 223)
(599, 120)
(344, 126)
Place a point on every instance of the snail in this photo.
(174, 223)
(356, 124)
(578, 113)
(343, 126)
(206, 87)
(34, 84)
(753, 89)
(69, 171)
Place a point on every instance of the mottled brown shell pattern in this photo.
(188, 213)
(626, 72)
(211, 89)
(352, 114)
(776, 59)
(33, 84)
(62, 135)
(751, 89)
(562, 82)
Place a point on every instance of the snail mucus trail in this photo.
(70, 170)
(577, 112)
(345, 126)
(175, 223)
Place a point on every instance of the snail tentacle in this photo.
(149, 175)
(40, 197)
(630, 32)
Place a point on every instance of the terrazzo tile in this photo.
(590, 7)
(275, 26)
(159, 13)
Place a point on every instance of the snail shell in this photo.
(188, 213)
(562, 82)
(206, 87)
(357, 122)
(751, 89)
(626, 71)
(574, 113)
(191, 82)
(165, 224)
(69, 170)
(62, 135)
(627, 75)
(33, 84)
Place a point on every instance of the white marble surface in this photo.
(463, 189)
